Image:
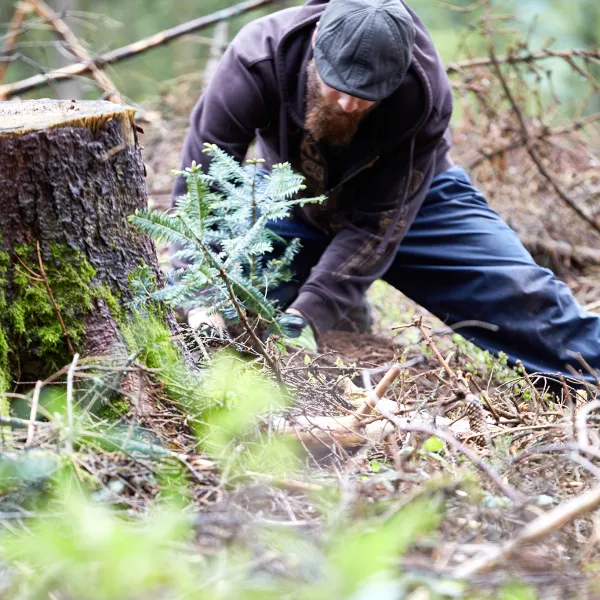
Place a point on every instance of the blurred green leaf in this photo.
(433, 444)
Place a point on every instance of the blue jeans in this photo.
(461, 262)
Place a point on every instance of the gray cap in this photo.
(364, 47)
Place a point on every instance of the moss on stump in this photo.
(70, 175)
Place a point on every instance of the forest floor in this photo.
(528, 437)
(506, 465)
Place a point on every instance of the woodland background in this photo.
(108, 24)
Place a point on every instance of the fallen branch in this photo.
(158, 39)
(14, 28)
(514, 58)
(580, 254)
(78, 50)
(538, 528)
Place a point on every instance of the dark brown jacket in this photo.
(259, 92)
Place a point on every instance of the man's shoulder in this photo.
(259, 39)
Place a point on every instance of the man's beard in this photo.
(325, 121)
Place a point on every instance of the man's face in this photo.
(331, 115)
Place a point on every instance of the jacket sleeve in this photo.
(234, 105)
(355, 257)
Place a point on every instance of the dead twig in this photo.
(14, 28)
(434, 349)
(78, 50)
(153, 41)
(513, 58)
(539, 528)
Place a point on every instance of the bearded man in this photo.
(355, 96)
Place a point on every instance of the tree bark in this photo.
(70, 175)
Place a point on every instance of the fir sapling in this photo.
(220, 229)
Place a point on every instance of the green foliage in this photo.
(483, 363)
(239, 393)
(4, 367)
(381, 544)
(433, 444)
(148, 334)
(91, 553)
(517, 591)
(222, 234)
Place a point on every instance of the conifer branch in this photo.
(221, 228)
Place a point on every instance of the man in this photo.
(354, 95)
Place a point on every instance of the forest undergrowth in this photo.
(405, 463)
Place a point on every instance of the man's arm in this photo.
(352, 261)
(236, 103)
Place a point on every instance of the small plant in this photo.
(220, 230)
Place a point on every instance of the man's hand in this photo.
(297, 331)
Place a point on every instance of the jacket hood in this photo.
(295, 48)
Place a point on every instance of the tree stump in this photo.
(70, 175)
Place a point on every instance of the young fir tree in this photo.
(220, 228)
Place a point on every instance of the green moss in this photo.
(29, 325)
(4, 367)
(115, 410)
(147, 332)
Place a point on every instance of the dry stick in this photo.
(158, 39)
(586, 365)
(583, 72)
(527, 138)
(70, 373)
(433, 347)
(32, 414)
(21, 9)
(536, 395)
(379, 391)
(459, 66)
(539, 528)
(544, 134)
(52, 300)
(65, 32)
(508, 490)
